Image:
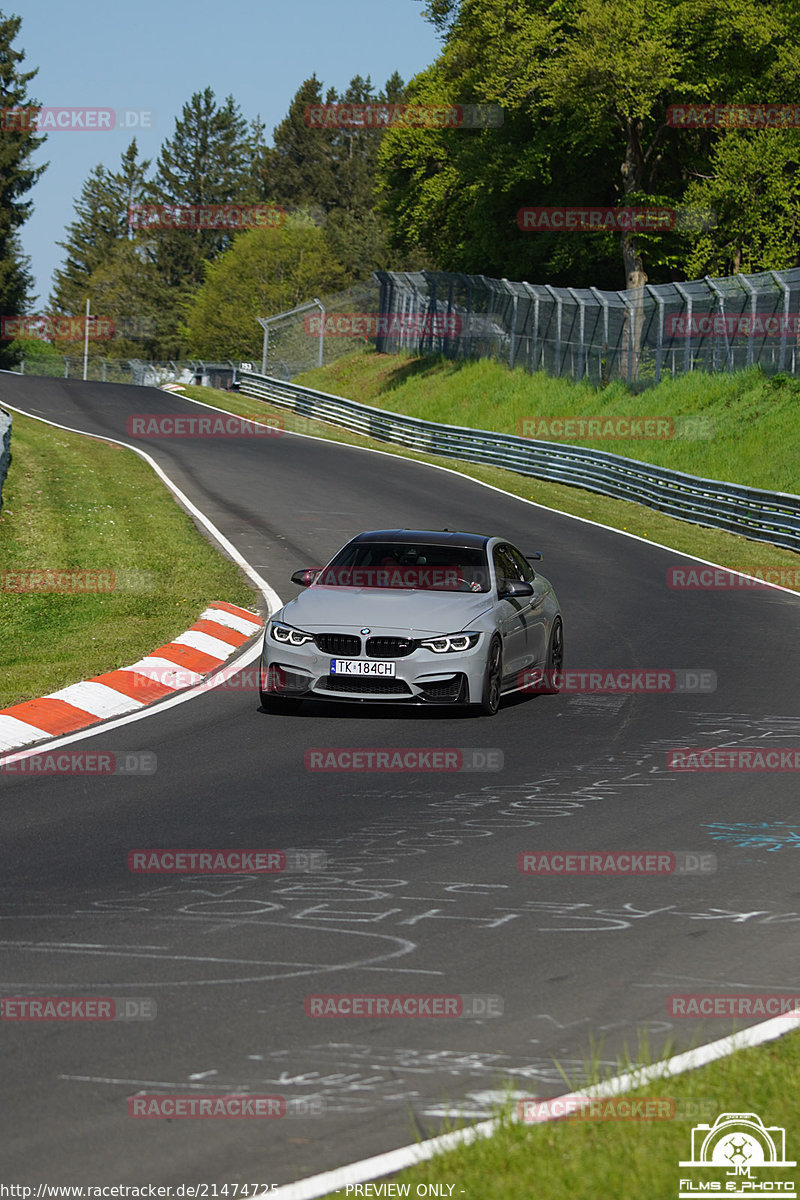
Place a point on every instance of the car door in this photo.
(513, 614)
(534, 616)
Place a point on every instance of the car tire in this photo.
(493, 679)
(555, 660)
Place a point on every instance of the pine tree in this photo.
(299, 168)
(101, 224)
(17, 144)
(207, 161)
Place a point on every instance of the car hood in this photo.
(333, 608)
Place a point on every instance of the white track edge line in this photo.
(305, 1189)
(313, 437)
(317, 1186)
(272, 598)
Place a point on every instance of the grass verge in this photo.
(742, 427)
(77, 503)
(714, 545)
(625, 1159)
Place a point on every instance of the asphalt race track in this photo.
(422, 893)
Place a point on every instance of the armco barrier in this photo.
(763, 516)
(5, 448)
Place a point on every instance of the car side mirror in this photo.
(306, 576)
(515, 587)
(535, 557)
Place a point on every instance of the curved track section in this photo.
(421, 893)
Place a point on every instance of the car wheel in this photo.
(493, 679)
(555, 660)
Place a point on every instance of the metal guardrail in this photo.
(139, 371)
(761, 515)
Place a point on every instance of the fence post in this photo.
(660, 331)
(321, 308)
(581, 332)
(264, 344)
(600, 298)
(721, 302)
(469, 317)
(782, 284)
(512, 353)
(559, 303)
(631, 307)
(430, 315)
(751, 291)
(687, 351)
(535, 339)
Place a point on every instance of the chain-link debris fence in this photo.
(638, 335)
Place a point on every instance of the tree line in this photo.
(588, 90)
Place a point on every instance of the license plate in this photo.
(360, 666)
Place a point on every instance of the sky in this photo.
(152, 55)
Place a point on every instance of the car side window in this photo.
(504, 565)
(527, 572)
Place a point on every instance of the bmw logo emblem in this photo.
(365, 631)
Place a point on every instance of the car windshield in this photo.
(400, 565)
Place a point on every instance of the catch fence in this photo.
(639, 336)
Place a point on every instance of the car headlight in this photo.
(451, 643)
(288, 636)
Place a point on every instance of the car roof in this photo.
(432, 537)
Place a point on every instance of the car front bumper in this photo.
(422, 677)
